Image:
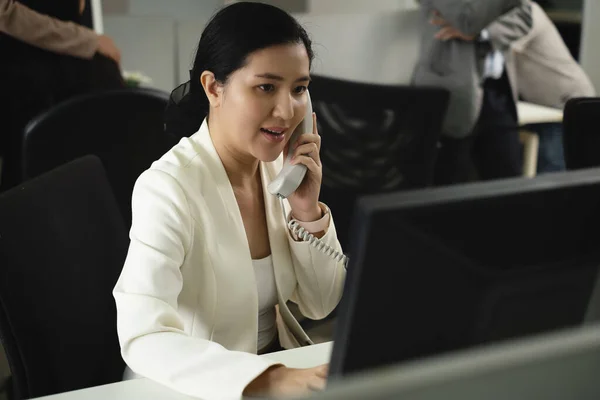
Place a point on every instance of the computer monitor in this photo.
(444, 269)
(557, 366)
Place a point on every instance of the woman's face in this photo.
(264, 101)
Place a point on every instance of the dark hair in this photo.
(231, 35)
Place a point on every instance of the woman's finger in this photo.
(316, 384)
(309, 149)
(308, 138)
(306, 160)
(322, 371)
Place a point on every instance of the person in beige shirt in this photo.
(52, 34)
(48, 57)
(545, 73)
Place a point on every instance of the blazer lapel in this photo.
(224, 189)
(237, 291)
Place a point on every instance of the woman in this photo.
(212, 262)
(34, 79)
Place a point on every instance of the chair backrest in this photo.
(375, 138)
(62, 246)
(124, 128)
(581, 134)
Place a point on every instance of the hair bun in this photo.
(185, 112)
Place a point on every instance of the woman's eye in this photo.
(267, 87)
(300, 89)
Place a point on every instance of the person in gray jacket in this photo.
(546, 74)
(480, 130)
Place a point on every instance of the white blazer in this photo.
(187, 301)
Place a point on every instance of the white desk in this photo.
(304, 357)
(146, 389)
(534, 114)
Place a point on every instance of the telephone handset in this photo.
(288, 180)
(291, 176)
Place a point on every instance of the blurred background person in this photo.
(20, 22)
(480, 137)
(546, 74)
(47, 57)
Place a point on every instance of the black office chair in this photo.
(62, 246)
(581, 135)
(123, 127)
(375, 138)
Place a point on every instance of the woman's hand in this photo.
(305, 200)
(280, 381)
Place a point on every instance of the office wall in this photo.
(176, 9)
(179, 9)
(379, 47)
(118, 7)
(357, 6)
(187, 37)
(160, 39)
(146, 33)
(147, 45)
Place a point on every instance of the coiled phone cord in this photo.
(317, 243)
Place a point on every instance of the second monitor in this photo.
(439, 270)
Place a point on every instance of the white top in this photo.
(535, 114)
(267, 299)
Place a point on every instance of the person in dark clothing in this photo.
(32, 80)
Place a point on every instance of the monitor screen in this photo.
(445, 269)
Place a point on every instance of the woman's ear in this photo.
(212, 88)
